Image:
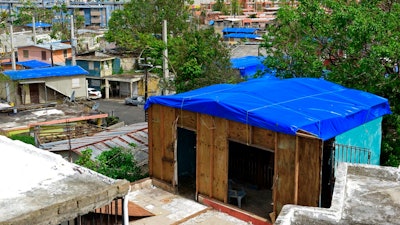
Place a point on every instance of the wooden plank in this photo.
(310, 159)
(238, 131)
(284, 171)
(296, 172)
(187, 119)
(205, 126)
(168, 141)
(220, 161)
(263, 137)
(155, 153)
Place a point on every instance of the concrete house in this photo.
(41, 85)
(277, 139)
(52, 53)
(42, 188)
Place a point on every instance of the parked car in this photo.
(93, 93)
(135, 100)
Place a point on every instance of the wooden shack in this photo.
(259, 139)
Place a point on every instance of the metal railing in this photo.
(351, 154)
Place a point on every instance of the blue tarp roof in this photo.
(241, 35)
(315, 106)
(249, 65)
(243, 30)
(34, 64)
(57, 71)
(39, 24)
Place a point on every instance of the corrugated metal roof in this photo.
(34, 64)
(54, 46)
(126, 137)
(57, 71)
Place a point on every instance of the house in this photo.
(52, 53)
(42, 188)
(363, 194)
(29, 64)
(44, 84)
(233, 35)
(272, 136)
(249, 66)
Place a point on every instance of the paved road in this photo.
(127, 113)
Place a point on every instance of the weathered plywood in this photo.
(155, 146)
(168, 143)
(205, 136)
(239, 132)
(263, 138)
(220, 160)
(186, 119)
(162, 131)
(309, 156)
(284, 175)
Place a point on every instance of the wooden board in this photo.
(284, 171)
(308, 188)
(220, 161)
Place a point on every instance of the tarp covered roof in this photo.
(315, 106)
(33, 64)
(243, 30)
(250, 65)
(242, 35)
(39, 24)
(57, 71)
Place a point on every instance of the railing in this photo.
(351, 154)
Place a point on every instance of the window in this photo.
(65, 53)
(75, 83)
(91, 66)
(26, 53)
(44, 55)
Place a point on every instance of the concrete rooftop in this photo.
(363, 194)
(169, 208)
(39, 187)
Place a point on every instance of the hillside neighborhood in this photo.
(96, 129)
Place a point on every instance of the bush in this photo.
(24, 138)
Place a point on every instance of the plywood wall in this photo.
(297, 160)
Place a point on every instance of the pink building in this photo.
(52, 53)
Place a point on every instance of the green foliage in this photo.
(117, 163)
(200, 59)
(356, 41)
(111, 120)
(128, 26)
(24, 138)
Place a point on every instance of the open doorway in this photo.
(186, 155)
(251, 169)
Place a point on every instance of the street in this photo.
(127, 113)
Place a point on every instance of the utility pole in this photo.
(73, 42)
(34, 29)
(165, 58)
(51, 55)
(12, 47)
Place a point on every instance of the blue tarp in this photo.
(243, 30)
(250, 65)
(34, 64)
(241, 35)
(57, 71)
(39, 24)
(315, 106)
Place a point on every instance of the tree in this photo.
(117, 163)
(356, 41)
(200, 59)
(133, 27)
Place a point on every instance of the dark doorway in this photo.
(34, 93)
(328, 176)
(186, 154)
(252, 169)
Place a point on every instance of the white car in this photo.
(93, 93)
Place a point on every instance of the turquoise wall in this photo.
(368, 135)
